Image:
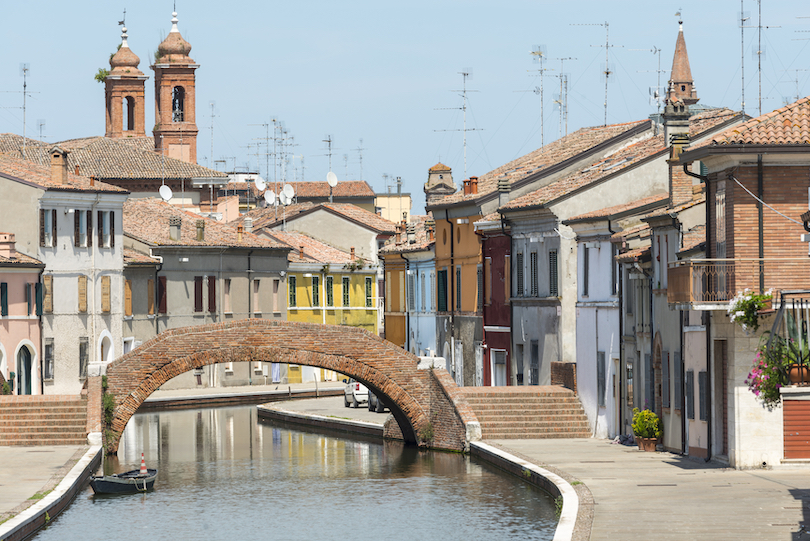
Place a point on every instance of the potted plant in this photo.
(744, 308)
(647, 428)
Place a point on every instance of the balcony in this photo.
(708, 284)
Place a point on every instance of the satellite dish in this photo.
(270, 197)
(260, 185)
(282, 198)
(331, 179)
(289, 191)
(165, 192)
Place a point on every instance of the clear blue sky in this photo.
(386, 73)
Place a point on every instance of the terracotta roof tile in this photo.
(148, 220)
(619, 209)
(20, 260)
(638, 231)
(369, 219)
(346, 188)
(693, 238)
(315, 251)
(41, 176)
(131, 257)
(789, 125)
(439, 167)
(421, 241)
(269, 216)
(679, 208)
(636, 254)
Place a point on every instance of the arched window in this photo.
(24, 371)
(129, 113)
(178, 103)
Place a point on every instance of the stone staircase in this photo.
(530, 412)
(43, 420)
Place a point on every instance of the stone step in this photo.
(36, 429)
(520, 399)
(532, 436)
(23, 425)
(43, 441)
(17, 417)
(516, 418)
(524, 408)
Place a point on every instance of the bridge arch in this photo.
(386, 369)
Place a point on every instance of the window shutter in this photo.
(702, 394)
(553, 288)
(690, 394)
(665, 378)
(53, 227)
(678, 381)
(601, 378)
(150, 293)
(519, 271)
(488, 281)
(212, 294)
(76, 221)
(100, 228)
(162, 294)
(441, 291)
(3, 299)
(533, 279)
(38, 293)
(82, 293)
(29, 299)
(198, 293)
(480, 287)
(112, 229)
(105, 294)
(47, 301)
(507, 278)
(89, 229)
(370, 292)
(127, 297)
(42, 227)
(346, 286)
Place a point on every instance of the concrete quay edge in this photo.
(224, 399)
(32, 519)
(278, 413)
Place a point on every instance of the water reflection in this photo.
(223, 475)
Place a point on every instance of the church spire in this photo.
(681, 87)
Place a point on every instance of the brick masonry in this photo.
(415, 397)
(564, 374)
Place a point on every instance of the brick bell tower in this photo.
(124, 93)
(175, 128)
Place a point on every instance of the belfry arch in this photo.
(415, 397)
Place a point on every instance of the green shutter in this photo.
(3, 299)
(441, 287)
(38, 293)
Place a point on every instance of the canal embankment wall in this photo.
(41, 513)
(190, 399)
(278, 413)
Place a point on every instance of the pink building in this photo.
(20, 306)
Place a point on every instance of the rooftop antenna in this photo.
(563, 101)
(346, 167)
(744, 16)
(360, 150)
(465, 74)
(24, 69)
(123, 21)
(41, 124)
(797, 97)
(266, 139)
(539, 55)
(759, 52)
(213, 104)
(607, 71)
(655, 92)
(328, 142)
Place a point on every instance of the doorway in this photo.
(498, 367)
(24, 371)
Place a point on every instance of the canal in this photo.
(224, 474)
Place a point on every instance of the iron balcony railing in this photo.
(714, 281)
(789, 340)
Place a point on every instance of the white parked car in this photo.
(354, 394)
(374, 403)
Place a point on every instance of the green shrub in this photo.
(108, 405)
(6, 388)
(646, 424)
(426, 433)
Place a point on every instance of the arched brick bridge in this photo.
(417, 398)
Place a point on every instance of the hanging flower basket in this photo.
(744, 309)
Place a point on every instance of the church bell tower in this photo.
(124, 94)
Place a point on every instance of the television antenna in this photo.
(758, 53)
(360, 150)
(466, 73)
(539, 55)
(607, 71)
(563, 99)
(797, 97)
(656, 94)
(41, 126)
(328, 142)
(212, 104)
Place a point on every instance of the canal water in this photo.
(224, 474)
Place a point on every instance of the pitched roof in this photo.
(604, 167)
(439, 167)
(634, 255)
(788, 125)
(362, 216)
(345, 188)
(106, 158)
(701, 198)
(40, 175)
(693, 238)
(421, 241)
(314, 251)
(147, 220)
(133, 258)
(268, 216)
(20, 260)
(626, 208)
(558, 151)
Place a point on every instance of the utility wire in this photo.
(766, 204)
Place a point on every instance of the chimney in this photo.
(200, 230)
(399, 235)
(239, 230)
(680, 184)
(431, 228)
(503, 191)
(59, 166)
(248, 224)
(76, 171)
(473, 185)
(411, 233)
(301, 252)
(467, 187)
(174, 227)
(352, 253)
(7, 245)
(92, 181)
(399, 185)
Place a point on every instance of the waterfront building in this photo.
(183, 270)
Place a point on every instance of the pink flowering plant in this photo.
(770, 370)
(744, 307)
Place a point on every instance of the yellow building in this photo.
(329, 286)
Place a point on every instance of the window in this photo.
(411, 293)
(83, 228)
(422, 290)
(519, 272)
(586, 269)
(676, 400)
(105, 294)
(665, 380)
(291, 287)
(480, 271)
(614, 271)
(630, 286)
(106, 229)
(39, 297)
(601, 378)
(212, 294)
(257, 309)
(84, 352)
(47, 228)
(178, 103)
(458, 288)
(507, 278)
(370, 291)
(488, 281)
(519, 364)
(82, 293)
(388, 299)
(29, 298)
(441, 291)
(401, 307)
(553, 284)
(127, 297)
(345, 280)
(198, 293)
(535, 364)
(432, 290)
(276, 284)
(3, 299)
(316, 291)
(330, 290)
(690, 394)
(47, 362)
(226, 295)
(702, 389)
(47, 294)
(533, 270)
(150, 294)
(162, 308)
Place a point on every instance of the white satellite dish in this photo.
(282, 198)
(270, 197)
(165, 192)
(260, 185)
(331, 179)
(289, 191)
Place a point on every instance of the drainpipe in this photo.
(760, 195)
(407, 312)
(451, 280)
(93, 274)
(41, 336)
(511, 305)
(250, 285)
(155, 292)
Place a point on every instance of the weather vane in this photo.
(123, 22)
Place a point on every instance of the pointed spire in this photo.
(681, 86)
(174, 22)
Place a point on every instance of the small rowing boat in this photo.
(124, 483)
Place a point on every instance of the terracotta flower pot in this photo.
(799, 375)
(646, 444)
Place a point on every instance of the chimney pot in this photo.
(174, 227)
(473, 185)
(200, 230)
(239, 230)
(7, 244)
(248, 224)
(76, 170)
(467, 187)
(59, 169)
(352, 253)
(301, 252)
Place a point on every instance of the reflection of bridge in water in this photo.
(422, 402)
